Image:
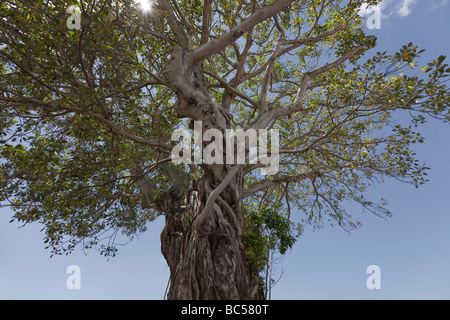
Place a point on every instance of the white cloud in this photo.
(438, 4)
(405, 9)
(402, 8)
(365, 10)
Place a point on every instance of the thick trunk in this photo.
(208, 263)
(201, 240)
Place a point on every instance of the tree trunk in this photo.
(208, 263)
(201, 240)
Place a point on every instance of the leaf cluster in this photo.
(267, 231)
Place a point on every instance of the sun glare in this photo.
(146, 5)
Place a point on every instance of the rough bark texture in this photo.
(201, 240)
(207, 263)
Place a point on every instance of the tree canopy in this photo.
(87, 115)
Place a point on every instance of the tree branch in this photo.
(264, 184)
(213, 197)
(296, 106)
(173, 23)
(108, 123)
(292, 44)
(265, 83)
(232, 90)
(214, 46)
(206, 21)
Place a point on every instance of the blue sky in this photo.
(412, 248)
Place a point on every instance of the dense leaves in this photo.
(267, 230)
(60, 166)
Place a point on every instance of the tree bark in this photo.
(207, 263)
(201, 240)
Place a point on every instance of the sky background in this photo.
(412, 248)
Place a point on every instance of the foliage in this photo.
(87, 115)
(267, 230)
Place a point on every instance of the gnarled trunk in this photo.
(201, 240)
(207, 261)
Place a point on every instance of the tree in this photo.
(88, 116)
